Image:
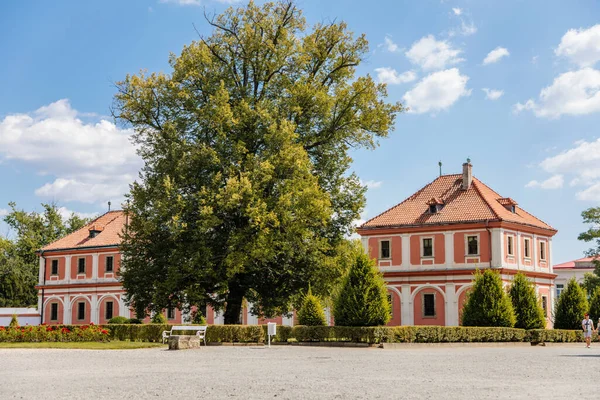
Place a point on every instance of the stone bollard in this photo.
(182, 342)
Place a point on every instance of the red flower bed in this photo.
(48, 333)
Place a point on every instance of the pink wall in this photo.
(61, 268)
(462, 298)
(440, 312)
(102, 265)
(48, 312)
(75, 266)
(542, 263)
(460, 251)
(102, 317)
(75, 308)
(439, 250)
(528, 261)
(395, 249)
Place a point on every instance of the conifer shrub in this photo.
(14, 322)
(529, 313)
(595, 305)
(362, 300)
(159, 318)
(311, 312)
(571, 307)
(118, 320)
(487, 303)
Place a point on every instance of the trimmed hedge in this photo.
(557, 336)
(54, 333)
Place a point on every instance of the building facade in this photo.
(429, 246)
(571, 269)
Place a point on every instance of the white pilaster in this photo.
(68, 269)
(549, 255)
(407, 315)
(534, 250)
(451, 305)
(251, 318)
(123, 310)
(365, 243)
(449, 246)
(95, 309)
(518, 248)
(219, 318)
(42, 262)
(287, 321)
(67, 309)
(496, 245)
(405, 251)
(95, 266)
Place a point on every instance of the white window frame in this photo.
(510, 250)
(545, 302)
(52, 266)
(54, 303)
(78, 305)
(106, 309)
(560, 289)
(543, 244)
(423, 306)
(84, 265)
(423, 238)
(112, 264)
(467, 236)
(527, 247)
(381, 257)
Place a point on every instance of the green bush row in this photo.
(370, 335)
(54, 333)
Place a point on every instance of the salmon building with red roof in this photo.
(429, 246)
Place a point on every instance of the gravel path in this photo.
(292, 372)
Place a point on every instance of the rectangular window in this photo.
(390, 302)
(510, 246)
(428, 247)
(81, 311)
(81, 266)
(472, 246)
(54, 312)
(559, 289)
(170, 313)
(545, 305)
(384, 246)
(429, 305)
(108, 314)
(54, 267)
(109, 264)
(543, 251)
(527, 248)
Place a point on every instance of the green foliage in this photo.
(198, 318)
(362, 300)
(247, 187)
(570, 307)
(595, 305)
(159, 318)
(18, 259)
(528, 310)
(591, 281)
(118, 320)
(311, 313)
(591, 216)
(137, 332)
(556, 336)
(14, 321)
(54, 333)
(487, 303)
(135, 321)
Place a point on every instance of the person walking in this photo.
(588, 327)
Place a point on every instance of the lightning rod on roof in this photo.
(440, 164)
(109, 206)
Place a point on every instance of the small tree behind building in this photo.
(595, 305)
(311, 313)
(571, 307)
(487, 303)
(528, 311)
(362, 300)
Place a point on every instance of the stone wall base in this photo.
(182, 342)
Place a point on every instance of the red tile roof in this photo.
(571, 264)
(479, 203)
(109, 227)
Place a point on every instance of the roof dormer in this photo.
(95, 230)
(435, 205)
(509, 204)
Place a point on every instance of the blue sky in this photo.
(531, 135)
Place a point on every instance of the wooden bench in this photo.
(200, 331)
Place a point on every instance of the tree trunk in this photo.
(233, 308)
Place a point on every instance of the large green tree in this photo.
(570, 306)
(528, 311)
(246, 190)
(30, 231)
(487, 302)
(591, 216)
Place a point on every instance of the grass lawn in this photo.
(116, 345)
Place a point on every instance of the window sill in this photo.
(427, 257)
(429, 317)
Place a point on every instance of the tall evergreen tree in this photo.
(246, 190)
(595, 305)
(570, 307)
(488, 303)
(362, 300)
(528, 311)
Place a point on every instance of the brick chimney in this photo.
(467, 176)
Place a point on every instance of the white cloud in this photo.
(90, 162)
(372, 184)
(3, 212)
(467, 29)
(571, 93)
(390, 45)
(495, 55)
(65, 213)
(581, 46)
(582, 163)
(534, 59)
(392, 77)
(492, 94)
(431, 54)
(554, 182)
(437, 91)
(456, 11)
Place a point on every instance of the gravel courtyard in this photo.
(293, 372)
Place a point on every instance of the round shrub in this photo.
(159, 318)
(118, 320)
(135, 321)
